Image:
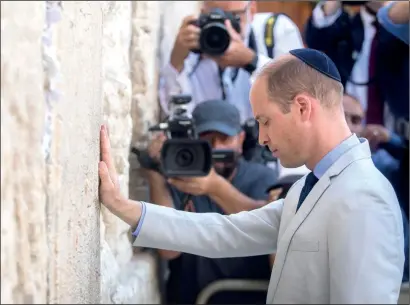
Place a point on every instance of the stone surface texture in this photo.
(66, 68)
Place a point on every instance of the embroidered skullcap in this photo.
(318, 61)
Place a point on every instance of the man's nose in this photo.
(262, 137)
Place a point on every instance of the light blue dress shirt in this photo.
(331, 157)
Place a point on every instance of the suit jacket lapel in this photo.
(358, 152)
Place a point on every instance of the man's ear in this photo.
(303, 105)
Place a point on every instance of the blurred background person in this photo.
(372, 62)
(374, 66)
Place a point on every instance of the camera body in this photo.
(183, 153)
(214, 38)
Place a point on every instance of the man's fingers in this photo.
(105, 147)
(188, 20)
(232, 32)
(104, 175)
(191, 30)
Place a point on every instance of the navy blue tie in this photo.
(309, 184)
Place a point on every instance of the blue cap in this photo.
(217, 115)
(318, 61)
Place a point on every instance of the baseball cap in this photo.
(217, 115)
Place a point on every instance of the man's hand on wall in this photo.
(129, 211)
(109, 186)
(238, 54)
(196, 186)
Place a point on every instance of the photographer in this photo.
(227, 189)
(227, 59)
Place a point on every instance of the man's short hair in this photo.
(290, 76)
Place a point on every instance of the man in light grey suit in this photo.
(338, 234)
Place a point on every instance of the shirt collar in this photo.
(331, 157)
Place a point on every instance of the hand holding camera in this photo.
(155, 147)
(217, 35)
(196, 186)
(238, 54)
(187, 39)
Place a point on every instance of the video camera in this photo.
(214, 38)
(183, 154)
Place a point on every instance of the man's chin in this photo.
(290, 163)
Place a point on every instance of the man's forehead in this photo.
(225, 5)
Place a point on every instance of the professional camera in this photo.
(214, 38)
(183, 154)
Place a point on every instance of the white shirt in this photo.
(202, 81)
(360, 71)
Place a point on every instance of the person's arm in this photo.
(252, 196)
(211, 234)
(365, 243)
(394, 17)
(172, 82)
(230, 199)
(395, 146)
(159, 194)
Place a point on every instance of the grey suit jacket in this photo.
(343, 246)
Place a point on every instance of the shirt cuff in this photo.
(320, 20)
(143, 211)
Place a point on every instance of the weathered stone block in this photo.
(23, 225)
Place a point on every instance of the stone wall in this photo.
(67, 67)
(23, 222)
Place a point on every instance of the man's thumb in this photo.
(104, 174)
